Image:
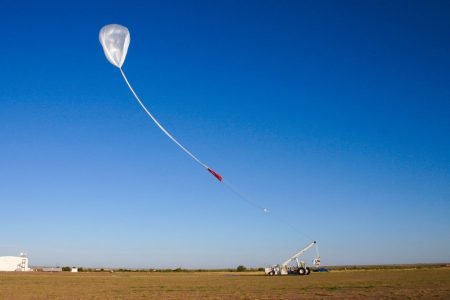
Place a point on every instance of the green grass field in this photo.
(425, 283)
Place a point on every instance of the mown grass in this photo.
(374, 284)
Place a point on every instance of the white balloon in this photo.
(115, 40)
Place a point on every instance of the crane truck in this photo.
(299, 269)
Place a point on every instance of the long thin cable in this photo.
(244, 197)
(218, 176)
(264, 209)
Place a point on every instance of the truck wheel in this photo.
(308, 271)
(301, 271)
(271, 273)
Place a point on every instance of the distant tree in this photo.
(241, 268)
(260, 269)
(124, 270)
(66, 269)
(80, 270)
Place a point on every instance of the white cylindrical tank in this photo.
(14, 263)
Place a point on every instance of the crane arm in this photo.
(299, 253)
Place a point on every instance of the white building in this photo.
(14, 263)
(52, 269)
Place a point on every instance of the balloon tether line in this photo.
(218, 177)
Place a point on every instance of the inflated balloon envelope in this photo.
(115, 40)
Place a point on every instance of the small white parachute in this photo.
(115, 40)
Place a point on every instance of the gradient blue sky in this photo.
(334, 114)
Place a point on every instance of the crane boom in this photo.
(299, 253)
(300, 269)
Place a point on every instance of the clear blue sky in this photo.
(335, 115)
